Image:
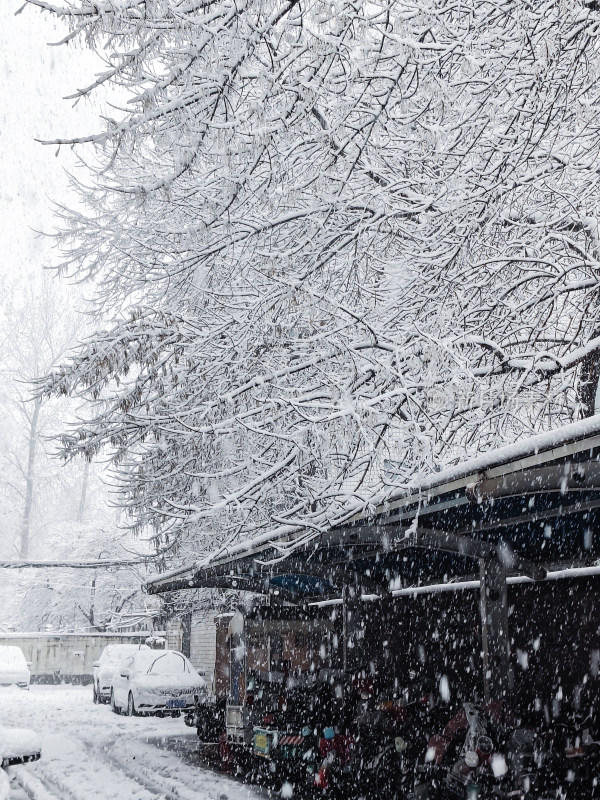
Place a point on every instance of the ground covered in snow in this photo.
(89, 753)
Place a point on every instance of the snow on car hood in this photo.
(18, 743)
(185, 683)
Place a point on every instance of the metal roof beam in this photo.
(431, 539)
(364, 542)
(394, 537)
(537, 516)
(242, 583)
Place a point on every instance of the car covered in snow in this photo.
(18, 746)
(14, 669)
(106, 666)
(160, 682)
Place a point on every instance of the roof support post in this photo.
(494, 630)
(345, 628)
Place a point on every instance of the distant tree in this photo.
(38, 326)
(96, 600)
(52, 510)
(340, 241)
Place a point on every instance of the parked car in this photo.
(14, 669)
(18, 746)
(156, 682)
(105, 667)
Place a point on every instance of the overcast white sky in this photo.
(33, 80)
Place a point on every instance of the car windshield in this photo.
(11, 656)
(169, 664)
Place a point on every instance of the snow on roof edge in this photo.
(499, 456)
(538, 443)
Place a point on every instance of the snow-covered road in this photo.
(89, 753)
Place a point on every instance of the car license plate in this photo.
(176, 703)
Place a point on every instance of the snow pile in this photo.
(4, 785)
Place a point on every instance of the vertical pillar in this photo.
(494, 629)
(345, 628)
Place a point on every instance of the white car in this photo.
(106, 666)
(14, 669)
(158, 682)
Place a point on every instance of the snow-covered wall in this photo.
(66, 657)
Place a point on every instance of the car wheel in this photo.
(113, 706)
(96, 699)
(131, 712)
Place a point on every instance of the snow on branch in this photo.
(345, 246)
(92, 564)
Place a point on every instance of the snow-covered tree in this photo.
(52, 510)
(97, 600)
(339, 239)
(38, 325)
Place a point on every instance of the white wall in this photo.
(174, 629)
(203, 644)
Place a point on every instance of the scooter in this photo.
(374, 752)
(573, 757)
(484, 752)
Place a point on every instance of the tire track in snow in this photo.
(90, 754)
(154, 768)
(32, 785)
(127, 759)
(85, 773)
(147, 775)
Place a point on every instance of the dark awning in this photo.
(534, 505)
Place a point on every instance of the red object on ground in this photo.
(440, 745)
(342, 746)
(225, 751)
(456, 725)
(321, 779)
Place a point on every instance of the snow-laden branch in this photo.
(91, 564)
(345, 247)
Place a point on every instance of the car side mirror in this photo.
(126, 674)
(96, 664)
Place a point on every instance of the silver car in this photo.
(105, 667)
(159, 682)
